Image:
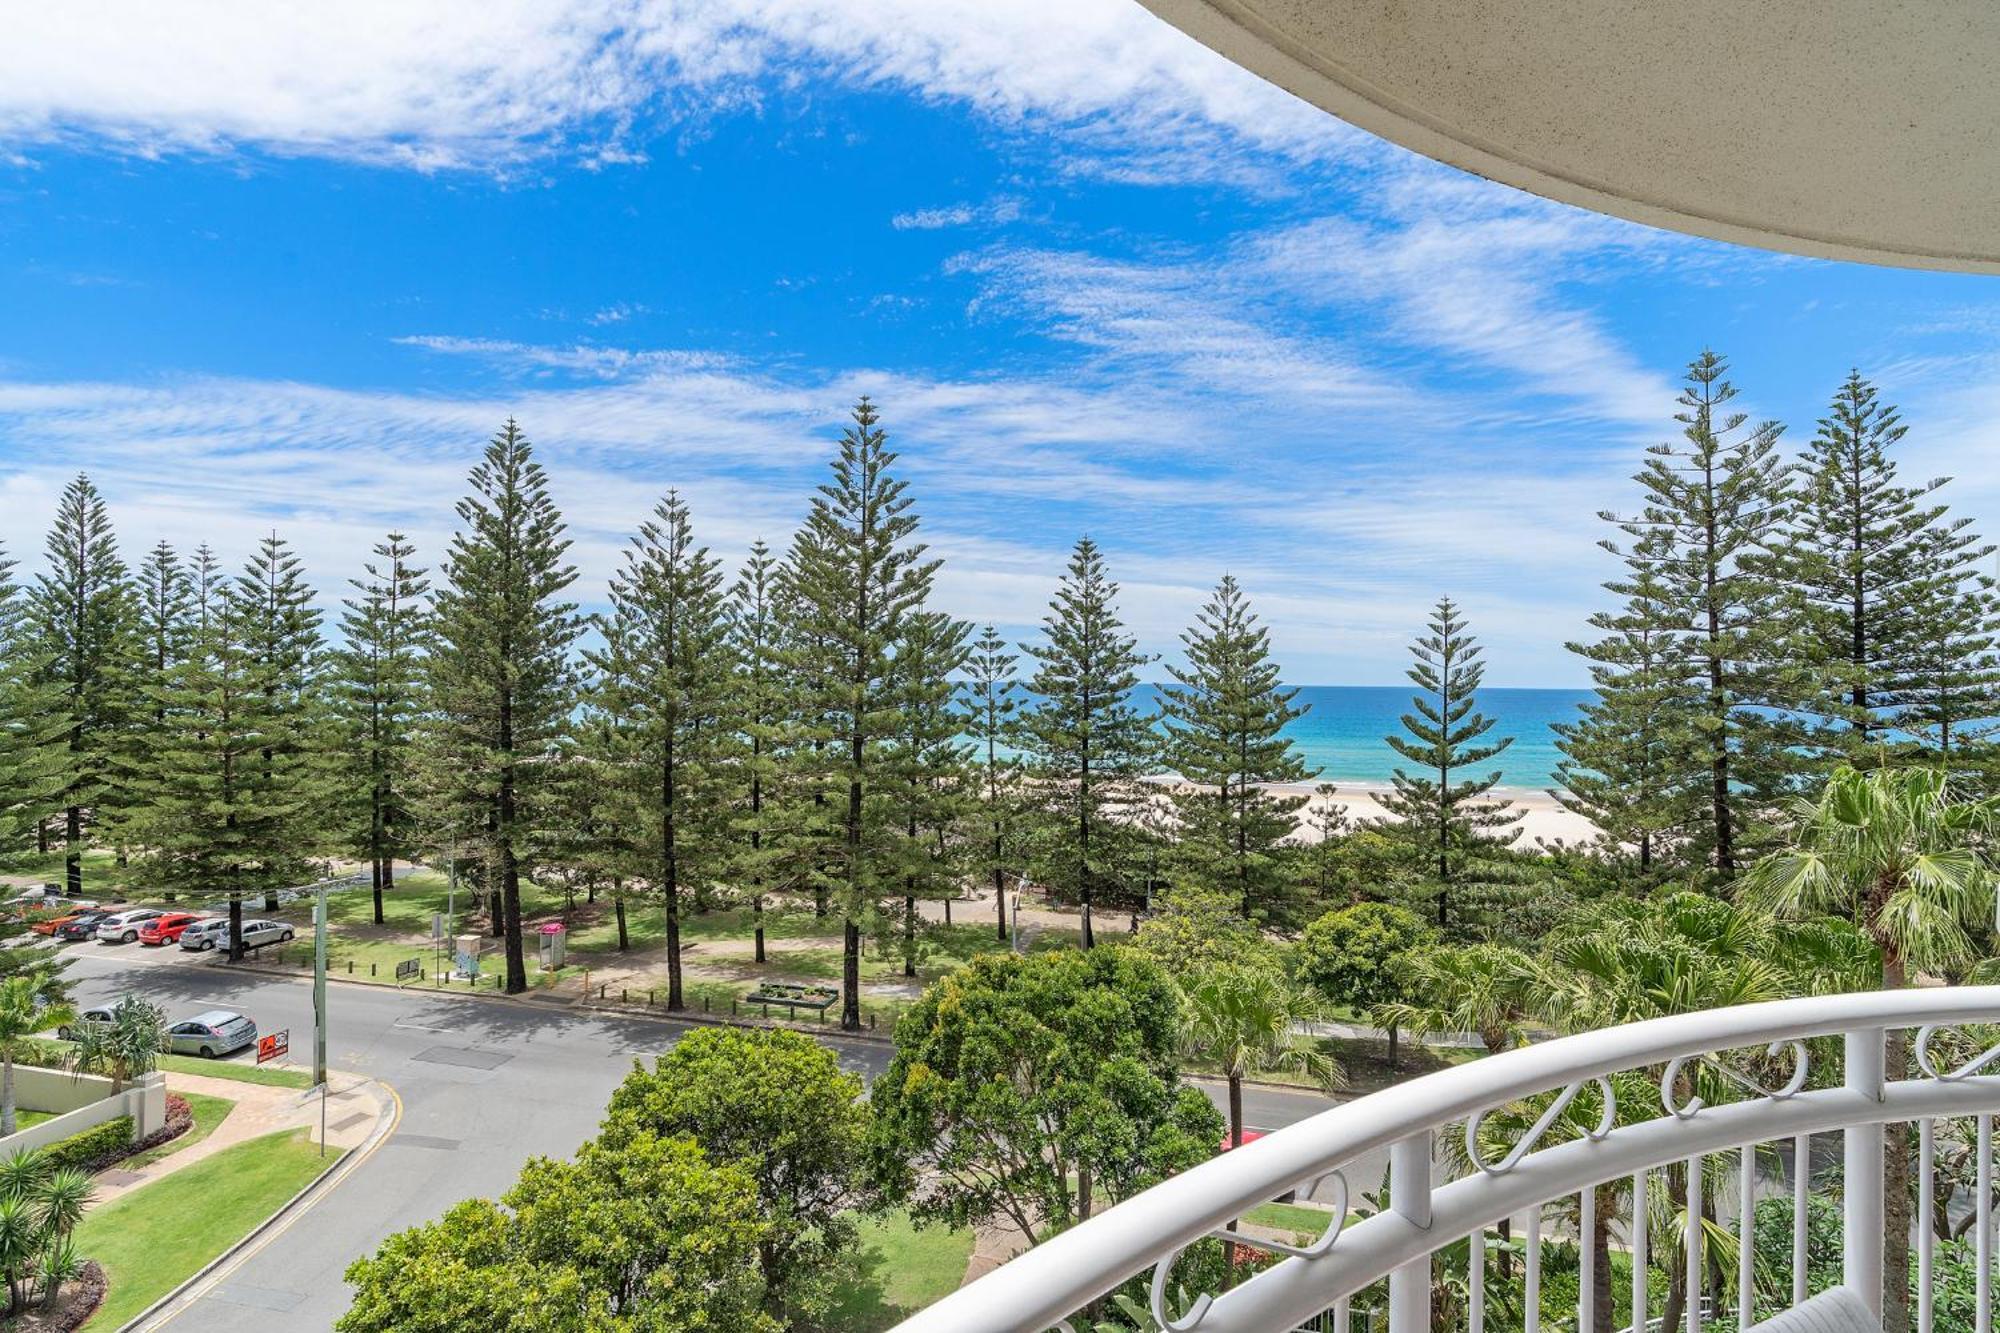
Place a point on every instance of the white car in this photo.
(124, 927)
(259, 933)
(214, 934)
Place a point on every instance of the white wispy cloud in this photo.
(491, 84)
(997, 212)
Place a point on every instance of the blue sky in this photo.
(288, 268)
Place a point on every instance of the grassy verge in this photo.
(208, 1113)
(268, 1075)
(898, 1270)
(154, 1238)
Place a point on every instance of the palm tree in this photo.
(25, 1009)
(1891, 851)
(1249, 1019)
(1487, 989)
(40, 1205)
(126, 1048)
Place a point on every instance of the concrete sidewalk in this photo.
(351, 1114)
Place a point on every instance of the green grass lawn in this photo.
(208, 1113)
(24, 1118)
(154, 1238)
(898, 1271)
(268, 1075)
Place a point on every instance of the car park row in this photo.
(75, 919)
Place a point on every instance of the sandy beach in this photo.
(1541, 818)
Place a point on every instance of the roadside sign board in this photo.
(273, 1044)
(437, 927)
(408, 968)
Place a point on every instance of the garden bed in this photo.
(73, 1308)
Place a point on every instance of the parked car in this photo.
(57, 919)
(123, 927)
(215, 1033)
(258, 933)
(213, 933)
(89, 1018)
(207, 933)
(166, 928)
(84, 925)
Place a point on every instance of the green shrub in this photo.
(95, 1145)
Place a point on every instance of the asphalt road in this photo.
(485, 1084)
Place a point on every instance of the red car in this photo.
(167, 929)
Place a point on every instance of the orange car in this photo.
(69, 911)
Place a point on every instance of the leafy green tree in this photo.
(991, 720)
(1021, 1088)
(1876, 569)
(762, 708)
(27, 1006)
(666, 665)
(648, 1238)
(1893, 852)
(777, 1105)
(81, 611)
(855, 575)
(501, 683)
(279, 629)
(1628, 758)
(1089, 744)
(1714, 505)
(1193, 926)
(1244, 1019)
(1355, 956)
(1444, 817)
(930, 766)
(378, 695)
(1225, 717)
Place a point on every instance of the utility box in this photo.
(555, 945)
(465, 956)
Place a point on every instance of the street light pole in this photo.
(319, 1008)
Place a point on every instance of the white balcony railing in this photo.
(1783, 1084)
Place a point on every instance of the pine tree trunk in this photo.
(850, 977)
(6, 1093)
(673, 947)
(375, 879)
(388, 873)
(757, 915)
(73, 850)
(618, 909)
(235, 927)
(909, 935)
(999, 894)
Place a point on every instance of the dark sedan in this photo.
(83, 926)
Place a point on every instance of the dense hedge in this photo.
(94, 1147)
(101, 1145)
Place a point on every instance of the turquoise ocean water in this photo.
(1342, 733)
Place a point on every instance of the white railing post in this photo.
(1801, 1214)
(1410, 1197)
(1691, 1247)
(1746, 1239)
(1862, 1230)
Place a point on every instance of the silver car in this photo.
(124, 928)
(215, 1033)
(206, 935)
(89, 1018)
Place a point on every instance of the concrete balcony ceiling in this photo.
(1850, 129)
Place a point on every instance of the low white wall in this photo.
(86, 1102)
